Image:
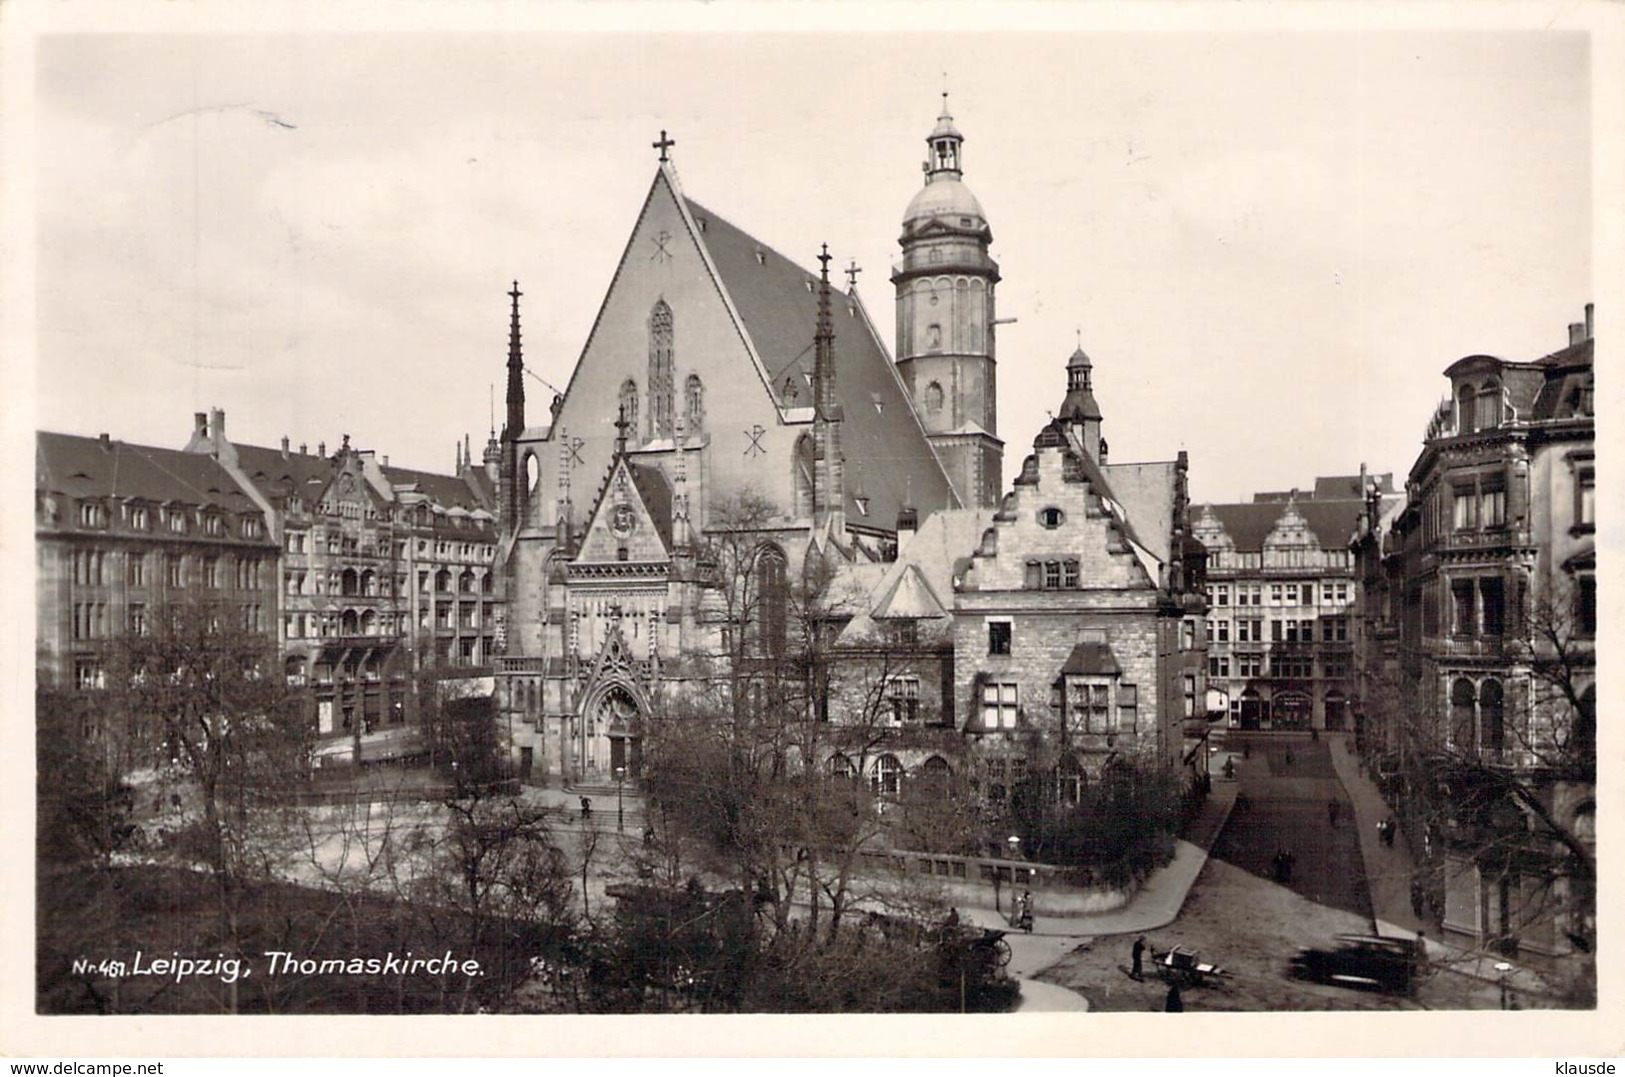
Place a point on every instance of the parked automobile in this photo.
(1376, 962)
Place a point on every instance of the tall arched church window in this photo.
(629, 403)
(802, 464)
(773, 599)
(694, 404)
(660, 370)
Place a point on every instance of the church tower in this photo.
(945, 320)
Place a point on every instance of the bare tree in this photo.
(1499, 770)
(208, 695)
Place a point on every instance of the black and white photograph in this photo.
(887, 511)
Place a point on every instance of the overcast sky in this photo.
(1271, 243)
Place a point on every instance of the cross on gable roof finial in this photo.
(621, 425)
(852, 271)
(515, 294)
(663, 145)
(823, 259)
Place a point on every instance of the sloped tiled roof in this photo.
(1333, 487)
(448, 491)
(656, 493)
(909, 598)
(944, 540)
(1569, 375)
(1146, 492)
(1091, 660)
(1248, 524)
(83, 467)
(279, 475)
(777, 301)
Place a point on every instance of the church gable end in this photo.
(623, 526)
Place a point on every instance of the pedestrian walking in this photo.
(1174, 1003)
(1389, 826)
(1417, 902)
(1138, 952)
(586, 808)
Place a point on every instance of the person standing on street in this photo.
(1174, 1004)
(1137, 972)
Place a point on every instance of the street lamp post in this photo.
(620, 803)
(1015, 902)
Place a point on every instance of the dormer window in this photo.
(212, 525)
(1051, 517)
(92, 514)
(138, 518)
(1488, 410)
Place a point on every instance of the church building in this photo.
(726, 388)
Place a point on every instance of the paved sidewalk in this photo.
(1158, 901)
(1388, 871)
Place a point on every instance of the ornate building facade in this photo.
(382, 572)
(1283, 589)
(122, 530)
(1478, 650)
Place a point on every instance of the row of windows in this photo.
(1052, 575)
(1289, 630)
(1299, 666)
(1302, 667)
(90, 569)
(661, 382)
(176, 521)
(1280, 594)
(379, 546)
(1288, 557)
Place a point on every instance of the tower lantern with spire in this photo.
(945, 320)
(1079, 410)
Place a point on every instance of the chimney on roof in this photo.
(303, 445)
(200, 422)
(1590, 328)
(107, 443)
(386, 459)
(1577, 332)
(284, 447)
(321, 449)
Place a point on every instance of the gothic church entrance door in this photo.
(618, 713)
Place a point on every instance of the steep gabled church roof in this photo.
(778, 302)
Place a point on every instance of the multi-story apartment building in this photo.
(1282, 589)
(122, 530)
(1478, 647)
(383, 571)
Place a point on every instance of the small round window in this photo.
(1051, 517)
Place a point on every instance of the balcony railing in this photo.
(1483, 540)
(1469, 647)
